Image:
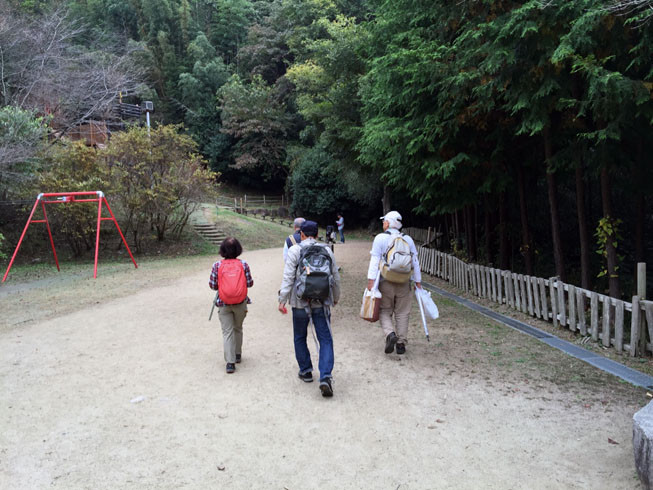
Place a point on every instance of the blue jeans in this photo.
(323, 333)
(342, 236)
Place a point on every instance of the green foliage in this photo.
(607, 231)
(317, 191)
(75, 167)
(3, 255)
(159, 180)
(198, 91)
(22, 138)
(255, 117)
(154, 182)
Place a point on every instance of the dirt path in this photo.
(71, 417)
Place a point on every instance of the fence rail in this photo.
(250, 202)
(592, 314)
(263, 207)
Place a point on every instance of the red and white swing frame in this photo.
(70, 197)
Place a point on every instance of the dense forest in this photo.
(520, 130)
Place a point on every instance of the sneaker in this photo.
(390, 342)
(326, 388)
(231, 367)
(401, 348)
(238, 357)
(306, 377)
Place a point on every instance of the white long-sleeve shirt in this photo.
(382, 242)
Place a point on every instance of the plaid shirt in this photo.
(213, 281)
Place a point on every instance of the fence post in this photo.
(641, 292)
(634, 327)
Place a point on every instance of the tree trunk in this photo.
(527, 245)
(489, 253)
(456, 227)
(385, 202)
(475, 226)
(583, 229)
(553, 207)
(446, 242)
(610, 249)
(470, 232)
(503, 232)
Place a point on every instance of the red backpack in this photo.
(232, 284)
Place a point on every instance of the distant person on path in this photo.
(231, 277)
(293, 239)
(394, 256)
(311, 285)
(340, 222)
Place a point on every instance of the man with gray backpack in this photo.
(394, 259)
(311, 285)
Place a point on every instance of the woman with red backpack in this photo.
(230, 278)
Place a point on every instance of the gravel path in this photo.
(132, 393)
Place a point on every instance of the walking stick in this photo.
(212, 307)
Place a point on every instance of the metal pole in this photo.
(641, 292)
(147, 119)
(115, 221)
(47, 224)
(29, 220)
(97, 235)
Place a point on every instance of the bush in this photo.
(3, 255)
(159, 180)
(75, 167)
(153, 183)
(317, 191)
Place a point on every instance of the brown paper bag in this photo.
(371, 304)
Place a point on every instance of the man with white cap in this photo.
(394, 287)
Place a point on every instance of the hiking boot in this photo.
(401, 348)
(390, 342)
(326, 388)
(306, 377)
(231, 367)
(238, 357)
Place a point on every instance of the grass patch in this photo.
(252, 233)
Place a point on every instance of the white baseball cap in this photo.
(392, 215)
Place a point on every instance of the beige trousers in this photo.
(395, 299)
(231, 320)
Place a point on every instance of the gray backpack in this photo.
(314, 279)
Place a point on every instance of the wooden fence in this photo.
(592, 314)
(245, 202)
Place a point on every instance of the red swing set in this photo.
(70, 197)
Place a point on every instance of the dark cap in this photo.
(309, 228)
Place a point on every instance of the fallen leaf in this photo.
(440, 421)
(611, 441)
(221, 467)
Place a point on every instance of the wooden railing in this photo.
(245, 202)
(600, 317)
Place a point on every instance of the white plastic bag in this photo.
(430, 308)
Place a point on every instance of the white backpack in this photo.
(397, 262)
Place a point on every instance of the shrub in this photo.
(75, 167)
(317, 191)
(159, 180)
